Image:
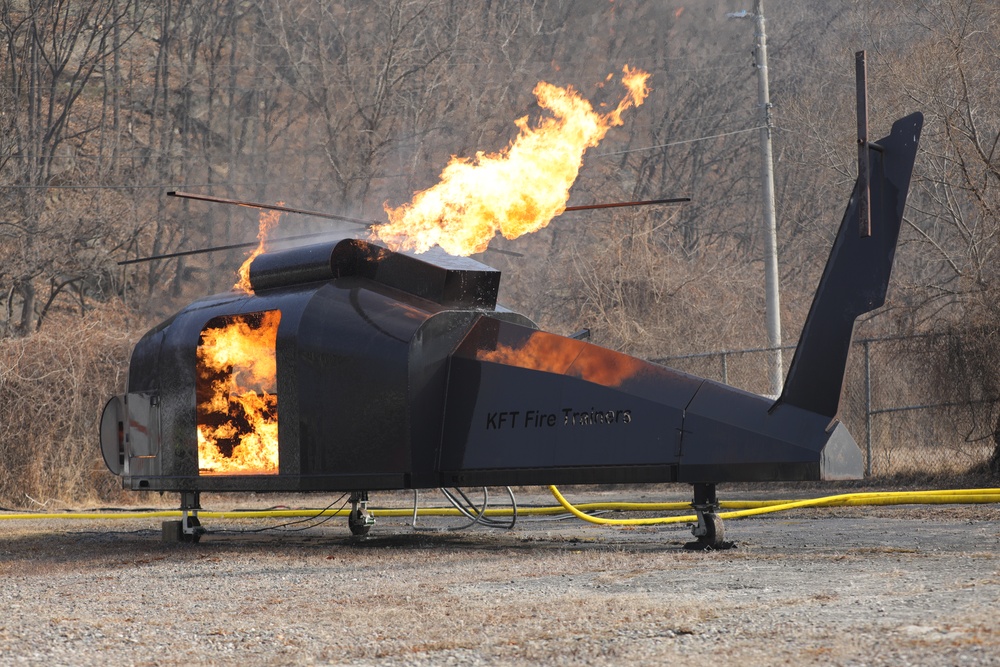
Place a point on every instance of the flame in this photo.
(555, 354)
(513, 192)
(268, 220)
(237, 404)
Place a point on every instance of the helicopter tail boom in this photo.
(856, 277)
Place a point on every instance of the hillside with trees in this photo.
(106, 105)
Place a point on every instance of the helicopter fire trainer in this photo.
(384, 370)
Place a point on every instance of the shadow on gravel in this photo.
(21, 550)
(63, 545)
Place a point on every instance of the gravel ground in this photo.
(860, 586)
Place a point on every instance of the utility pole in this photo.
(772, 301)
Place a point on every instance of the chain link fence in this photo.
(905, 400)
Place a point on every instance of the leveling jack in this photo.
(188, 529)
(359, 520)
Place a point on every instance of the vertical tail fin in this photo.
(856, 276)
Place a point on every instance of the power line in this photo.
(679, 143)
(801, 65)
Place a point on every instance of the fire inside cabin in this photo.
(237, 401)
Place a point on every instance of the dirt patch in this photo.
(874, 586)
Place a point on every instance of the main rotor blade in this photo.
(218, 248)
(368, 223)
(251, 244)
(331, 216)
(621, 204)
(271, 207)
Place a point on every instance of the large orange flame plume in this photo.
(515, 191)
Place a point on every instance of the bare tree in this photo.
(52, 51)
(370, 76)
(952, 72)
(946, 61)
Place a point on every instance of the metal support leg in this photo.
(188, 529)
(709, 531)
(360, 521)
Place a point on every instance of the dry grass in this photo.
(53, 387)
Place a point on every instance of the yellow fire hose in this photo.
(740, 508)
(747, 508)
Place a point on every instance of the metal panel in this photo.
(520, 399)
(143, 428)
(731, 435)
(113, 434)
(435, 276)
